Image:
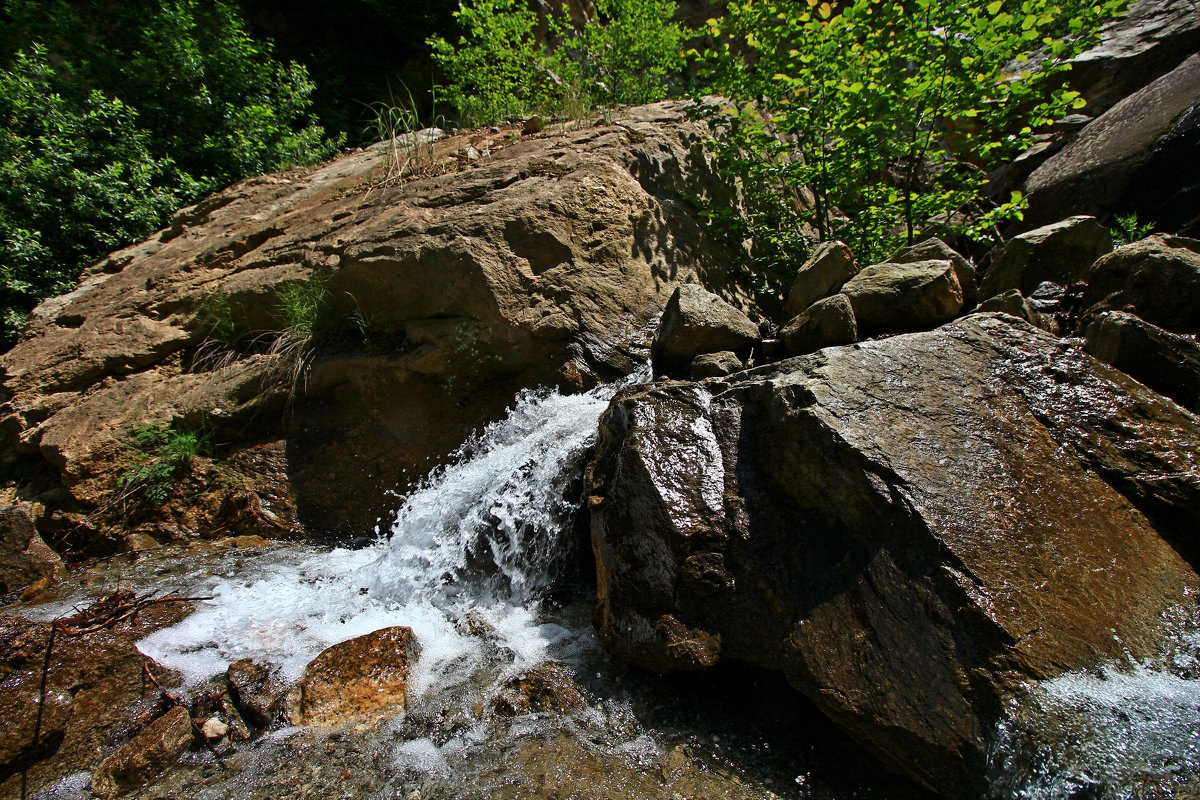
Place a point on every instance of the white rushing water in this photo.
(474, 544)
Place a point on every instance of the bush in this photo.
(891, 111)
(497, 71)
(158, 456)
(112, 115)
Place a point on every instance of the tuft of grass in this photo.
(300, 305)
(1127, 230)
(158, 456)
(397, 123)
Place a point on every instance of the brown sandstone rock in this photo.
(360, 679)
(826, 271)
(936, 249)
(256, 691)
(714, 365)
(154, 749)
(911, 530)
(892, 298)
(24, 557)
(540, 264)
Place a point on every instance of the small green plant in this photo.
(1127, 230)
(158, 457)
(302, 307)
(396, 125)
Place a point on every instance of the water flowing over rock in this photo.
(540, 264)
(146, 755)
(909, 529)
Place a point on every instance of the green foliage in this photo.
(302, 305)
(159, 456)
(1126, 229)
(496, 71)
(77, 180)
(891, 111)
(633, 51)
(219, 319)
(114, 114)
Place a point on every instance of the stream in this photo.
(483, 562)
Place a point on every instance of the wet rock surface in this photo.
(24, 556)
(96, 696)
(357, 680)
(907, 529)
(143, 758)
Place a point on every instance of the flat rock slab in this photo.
(911, 530)
(144, 757)
(360, 679)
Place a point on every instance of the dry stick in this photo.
(37, 725)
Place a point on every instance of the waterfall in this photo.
(480, 537)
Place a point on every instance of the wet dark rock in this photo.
(360, 679)
(825, 272)
(714, 365)
(1013, 304)
(936, 249)
(156, 747)
(1167, 363)
(547, 687)
(1157, 279)
(257, 691)
(96, 695)
(1095, 173)
(24, 557)
(894, 298)
(825, 323)
(695, 322)
(1061, 253)
(908, 529)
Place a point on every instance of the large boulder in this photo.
(825, 323)
(361, 679)
(894, 298)
(542, 263)
(826, 270)
(1143, 44)
(1167, 363)
(935, 249)
(912, 530)
(696, 322)
(1102, 171)
(1061, 252)
(1157, 278)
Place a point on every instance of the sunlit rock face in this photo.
(911, 529)
(450, 287)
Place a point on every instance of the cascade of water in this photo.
(482, 536)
